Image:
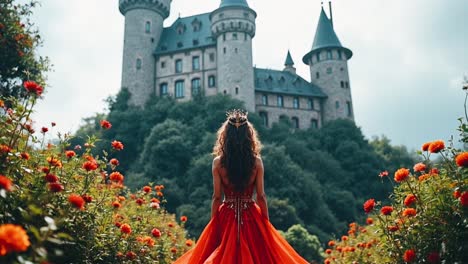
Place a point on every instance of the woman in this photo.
(239, 231)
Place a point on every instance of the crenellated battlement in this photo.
(160, 6)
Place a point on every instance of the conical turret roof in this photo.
(289, 61)
(225, 3)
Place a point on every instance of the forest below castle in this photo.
(318, 178)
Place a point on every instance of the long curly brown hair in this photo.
(238, 148)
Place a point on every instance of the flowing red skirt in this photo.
(259, 242)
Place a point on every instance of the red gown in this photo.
(250, 239)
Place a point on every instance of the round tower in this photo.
(328, 62)
(233, 26)
(143, 27)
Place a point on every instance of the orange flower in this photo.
(435, 171)
(170, 224)
(462, 159)
(51, 178)
(331, 243)
(116, 176)
(419, 167)
(54, 162)
(159, 194)
(125, 228)
(13, 238)
(436, 146)
(116, 204)
(114, 162)
(2, 104)
(189, 243)
(456, 194)
(424, 177)
(409, 212)
(369, 221)
(328, 251)
(369, 205)
(5, 148)
(409, 255)
(121, 198)
(386, 210)
(183, 218)
(105, 124)
(410, 199)
(401, 174)
(5, 183)
(25, 156)
(155, 200)
(344, 238)
(77, 201)
(425, 146)
(147, 189)
(156, 232)
(90, 165)
(464, 199)
(55, 187)
(70, 154)
(117, 145)
(327, 261)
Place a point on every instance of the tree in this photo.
(307, 245)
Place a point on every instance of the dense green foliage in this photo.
(317, 178)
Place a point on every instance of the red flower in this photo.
(70, 154)
(44, 130)
(13, 238)
(51, 178)
(5, 183)
(170, 224)
(125, 228)
(33, 87)
(410, 199)
(105, 124)
(54, 162)
(369, 205)
(53, 124)
(131, 255)
(76, 201)
(90, 165)
(147, 189)
(55, 187)
(25, 156)
(393, 228)
(425, 146)
(436, 146)
(420, 167)
(409, 255)
(401, 174)
(117, 145)
(369, 221)
(433, 257)
(87, 198)
(5, 148)
(116, 204)
(189, 243)
(45, 170)
(344, 238)
(174, 250)
(409, 212)
(464, 199)
(155, 232)
(140, 201)
(116, 176)
(456, 194)
(386, 210)
(183, 218)
(328, 251)
(383, 174)
(114, 162)
(434, 171)
(331, 243)
(462, 159)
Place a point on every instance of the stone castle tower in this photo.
(211, 53)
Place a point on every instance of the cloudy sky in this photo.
(406, 73)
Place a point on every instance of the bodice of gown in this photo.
(231, 193)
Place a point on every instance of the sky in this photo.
(406, 73)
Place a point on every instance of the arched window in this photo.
(340, 57)
(314, 123)
(264, 99)
(342, 84)
(295, 122)
(329, 55)
(318, 56)
(178, 66)
(349, 109)
(337, 104)
(296, 102)
(279, 101)
(264, 116)
(148, 27)
(211, 81)
(163, 89)
(196, 63)
(237, 90)
(138, 63)
(196, 86)
(179, 89)
(317, 75)
(224, 92)
(310, 103)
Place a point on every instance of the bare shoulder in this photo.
(216, 161)
(258, 161)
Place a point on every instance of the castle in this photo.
(211, 53)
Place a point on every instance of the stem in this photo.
(466, 114)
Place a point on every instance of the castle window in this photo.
(223, 26)
(234, 36)
(163, 89)
(347, 84)
(329, 55)
(148, 27)
(196, 63)
(196, 42)
(240, 24)
(212, 57)
(178, 66)
(295, 122)
(224, 92)
(342, 84)
(349, 109)
(318, 56)
(180, 28)
(180, 44)
(337, 104)
(196, 86)
(329, 70)
(314, 123)
(163, 64)
(264, 99)
(232, 24)
(341, 69)
(237, 90)
(211, 81)
(310, 103)
(224, 36)
(138, 64)
(152, 40)
(317, 75)
(179, 89)
(196, 24)
(340, 57)
(279, 101)
(296, 102)
(224, 50)
(264, 116)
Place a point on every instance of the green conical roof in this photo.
(289, 61)
(225, 3)
(325, 37)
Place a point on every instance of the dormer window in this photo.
(196, 42)
(282, 80)
(180, 44)
(180, 29)
(196, 24)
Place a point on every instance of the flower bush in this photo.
(61, 204)
(425, 220)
